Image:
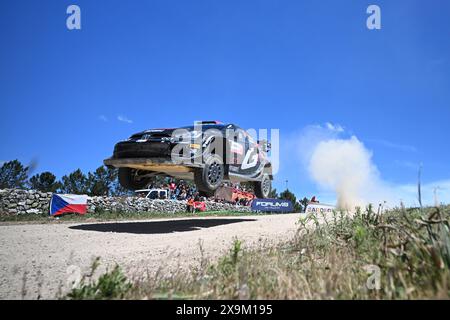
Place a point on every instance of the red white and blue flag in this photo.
(68, 203)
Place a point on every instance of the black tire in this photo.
(210, 177)
(128, 181)
(262, 188)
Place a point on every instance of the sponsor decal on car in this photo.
(236, 147)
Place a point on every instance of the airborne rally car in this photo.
(208, 152)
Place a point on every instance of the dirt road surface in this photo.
(39, 260)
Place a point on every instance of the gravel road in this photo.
(37, 260)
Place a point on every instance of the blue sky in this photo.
(260, 64)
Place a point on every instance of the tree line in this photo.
(101, 182)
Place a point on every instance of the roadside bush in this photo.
(111, 285)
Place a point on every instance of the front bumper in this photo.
(132, 149)
(154, 164)
(152, 156)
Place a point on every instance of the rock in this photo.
(30, 202)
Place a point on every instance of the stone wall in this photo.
(15, 202)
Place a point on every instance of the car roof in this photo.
(206, 126)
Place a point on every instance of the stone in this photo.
(22, 201)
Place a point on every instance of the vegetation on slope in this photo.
(401, 254)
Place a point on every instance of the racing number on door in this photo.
(250, 160)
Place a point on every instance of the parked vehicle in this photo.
(152, 193)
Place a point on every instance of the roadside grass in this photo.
(108, 216)
(401, 254)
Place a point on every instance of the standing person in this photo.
(172, 188)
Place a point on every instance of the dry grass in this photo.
(327, 260)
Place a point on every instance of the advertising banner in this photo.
(272, 205)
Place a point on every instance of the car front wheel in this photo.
(210, 177)
(263, 187)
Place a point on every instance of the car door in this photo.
(244, 153)
(251, 161)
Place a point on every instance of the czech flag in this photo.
(68, 203)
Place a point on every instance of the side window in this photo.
(241, 138)
(153, 195)
(240, 148)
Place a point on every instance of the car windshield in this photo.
(205, 127)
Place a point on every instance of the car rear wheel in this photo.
(130, 180)
(210, 177)
(263, 187)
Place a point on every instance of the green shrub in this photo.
(111, 285)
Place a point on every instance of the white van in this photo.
(153, 193)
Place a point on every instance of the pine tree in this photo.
(101, 181)
(45, 182)
(13, 175)
(304, 202)
(75, 183)
(287, 195)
